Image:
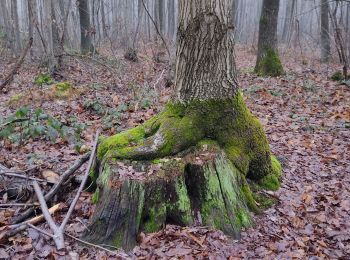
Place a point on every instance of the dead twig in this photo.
(15, 229)
(97, 246)
(58, 231)
(55, 188)
(18, 64)
(21, 176)
(8, 205)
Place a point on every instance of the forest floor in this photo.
(305, 115)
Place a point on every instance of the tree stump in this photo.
(200, 186)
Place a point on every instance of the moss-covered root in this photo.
(269, 64)
(220, 194)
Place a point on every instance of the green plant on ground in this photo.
(27, 123)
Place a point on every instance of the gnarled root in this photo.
(206, 184)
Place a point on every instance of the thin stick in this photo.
(90, 244)
(56, 187)
(82, 184)
(40, 230)
(18, 204)
(43, 206)
(17, 175)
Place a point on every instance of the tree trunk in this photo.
(85, 27)
(189, 163)
(15, 27)
(325, 36)
(268, 62)
(171, 19)
(48, 25)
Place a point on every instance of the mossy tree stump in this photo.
(203, 187)
(201, 149)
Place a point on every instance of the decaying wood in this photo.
(18, 64)
(180, 191)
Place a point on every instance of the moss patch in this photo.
(270, 64)
(272, 180)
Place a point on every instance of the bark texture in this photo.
(205, 66)
(268, 62)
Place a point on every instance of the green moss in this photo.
(270, 64)
(156, 161)
(263, 201)
(63, 86)
(118, 240)
(155, 219)
(272, 180)
(95, 196)
(247, 194)
(337, 76)
(16, 98)
(120, 140)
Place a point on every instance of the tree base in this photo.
(269, 64)
(201, 187)
(201, 182)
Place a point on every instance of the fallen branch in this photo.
(15, 229)
(63, 178)
(8, 205)
(21, 176)
(18, 64)
(58, 231)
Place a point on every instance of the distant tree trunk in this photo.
(103, 18)
(15, 27)
(325, 36)
(161, 15)
(32, 12)
(56, 39)
(85, 27)
(171, 19)
(210, 140)
(288, 21)
(6, 20)
(268, 62)
(48, 25)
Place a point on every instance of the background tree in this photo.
(208, 115)
(85, 27)
(325, 36)
(268, 62)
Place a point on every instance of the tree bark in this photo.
(189, 163)
(85, 27)
(268, 62)
(325, 36)
(205, 58)
(15, 27)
